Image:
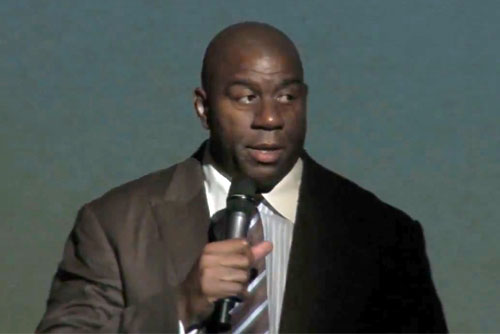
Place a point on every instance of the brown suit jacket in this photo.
(356, 263)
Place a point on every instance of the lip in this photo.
(265, 153)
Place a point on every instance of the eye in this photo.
(247, 99)
(285, 98)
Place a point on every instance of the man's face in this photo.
(257, 115)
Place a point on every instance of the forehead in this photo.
(257, 63)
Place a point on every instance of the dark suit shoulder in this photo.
(361, 205)
(407, 300)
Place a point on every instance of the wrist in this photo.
(192, 307)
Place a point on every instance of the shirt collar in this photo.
(283, 197)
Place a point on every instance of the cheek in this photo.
(230, 125)
(296, 124)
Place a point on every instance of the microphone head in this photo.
(242, 186)
(241, 196)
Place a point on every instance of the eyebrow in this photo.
(241, 82)
(293, 81)
(250, 84)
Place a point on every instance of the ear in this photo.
(201, 106)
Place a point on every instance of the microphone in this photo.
(240, 207)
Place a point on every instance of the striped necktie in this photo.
(252, 315)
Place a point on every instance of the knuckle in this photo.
(205, 274)
(243, 243)
(208, 248)
(202, 275)
(203, 286)
(207, 260)
(246, 261)
(246, 275)
(203, 261)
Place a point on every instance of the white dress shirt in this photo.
(277, 212)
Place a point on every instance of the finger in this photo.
(212, 278)
(223, 289)
(235, 261)
(233, 288)
(233, 275)
(227, 246)
(261, 250)
(209, 260)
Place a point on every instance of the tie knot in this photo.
(258, 198)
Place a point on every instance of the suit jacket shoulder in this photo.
(364, 209)
(365, 258)
(121, 262)
(132, 199)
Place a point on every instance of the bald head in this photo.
(247, 40)
(253, 102)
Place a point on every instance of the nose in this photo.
(268, 116)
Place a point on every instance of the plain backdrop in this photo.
(404, 100)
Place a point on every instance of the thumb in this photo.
(261, 249)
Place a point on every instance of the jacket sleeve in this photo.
(415, 299)
(87, 294)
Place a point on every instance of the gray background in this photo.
(403, 100)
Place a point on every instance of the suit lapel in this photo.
(183, 219)
(333, 272)
(315, 227)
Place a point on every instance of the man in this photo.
(139, 260)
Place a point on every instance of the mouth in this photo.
(265, 153)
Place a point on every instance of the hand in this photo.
(221, 271)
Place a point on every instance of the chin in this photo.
(266, 177)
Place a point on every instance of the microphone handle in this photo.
(220, 321)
